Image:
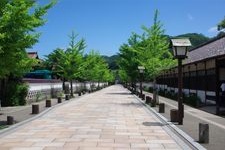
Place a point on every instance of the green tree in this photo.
(95, 69)
(68, 63)
(155, 55)
(19, 19)
(128, 61)
(221, 25)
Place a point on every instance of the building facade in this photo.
(203, 74)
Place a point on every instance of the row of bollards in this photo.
(36, 110)
(48, 103)
(203, 127)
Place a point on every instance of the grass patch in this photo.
(3, 126)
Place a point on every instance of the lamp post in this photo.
(141, 71)
(180, 48)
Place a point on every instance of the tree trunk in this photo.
(2, 90)
(63, 85)
(155, 93)
(71, 88)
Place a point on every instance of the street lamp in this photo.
(180, 48)
(141, 71)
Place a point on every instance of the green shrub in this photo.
(192, 100)
(22, 91)
(15, 94)
(161, 92)
(150, 89)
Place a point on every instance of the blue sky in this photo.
(106, 24)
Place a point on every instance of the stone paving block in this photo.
(67, 140)
(16, 144)
(146, 145)
(170, 146)
(130, 141)
(99, 121)
(54, 144)
(80, 144)
(95, 148)
(60, 148)
(100, 140)
(120, 145)
(27, 148)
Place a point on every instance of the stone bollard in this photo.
(137, 93)
(174, 115)
(153, 103)
(48, 103)
(59, 99)
(35, 109)
(161, 108)
(67, 97)
(148, 100)
(140, 95)
(10, 120)
(203, 133)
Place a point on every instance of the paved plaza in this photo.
(109, 119)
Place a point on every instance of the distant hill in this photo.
(195, 38)
(111, 60)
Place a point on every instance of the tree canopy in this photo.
(151, 50)
(19, 19)
(71, 64)
(221, 25)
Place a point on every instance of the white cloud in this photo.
(190, 17)
(213, 30)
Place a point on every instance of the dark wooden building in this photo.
(203, 73)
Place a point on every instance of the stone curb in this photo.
(174, 131)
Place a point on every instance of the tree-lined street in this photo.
(108, 119)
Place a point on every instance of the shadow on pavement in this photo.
(119, 93)
(132, 104)
(153, 124)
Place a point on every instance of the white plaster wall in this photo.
(201, 95)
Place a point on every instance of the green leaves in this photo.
(150, 50)
(71, 63)
(221, 25)
(96, 69)
(18, 21)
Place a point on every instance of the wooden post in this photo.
(203, 133)
(35, 109)
(148, 100)
(48, 103)
(67, 97)
(174, 115)
(59, 99)
(10, 120)
(161, 108)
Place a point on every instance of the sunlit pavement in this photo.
(108, 119)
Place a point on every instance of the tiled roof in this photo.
(213, 48)
(33, 55)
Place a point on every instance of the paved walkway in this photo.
(110, 119)
(192, 118)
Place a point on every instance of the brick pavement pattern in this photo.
(110, 119)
